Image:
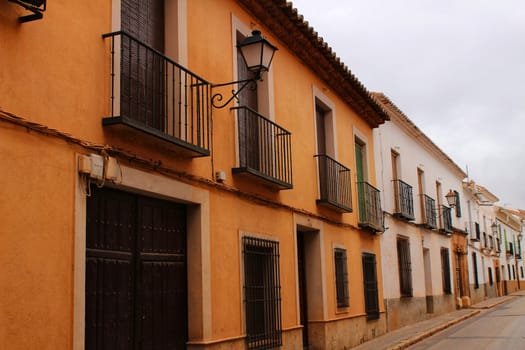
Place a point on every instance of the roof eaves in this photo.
(396, 114)
(283, 20)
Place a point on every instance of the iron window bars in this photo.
(370, 286)
(341, 277)
(445, 269)
(405, 267)
(262, 293)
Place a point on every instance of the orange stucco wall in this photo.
(36, 241)
(55, 72)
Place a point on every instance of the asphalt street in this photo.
(502, 327)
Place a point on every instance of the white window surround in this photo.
(319, 304)
(198, 247)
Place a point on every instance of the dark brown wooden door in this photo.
(136, 289)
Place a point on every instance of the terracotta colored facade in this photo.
(80, 166)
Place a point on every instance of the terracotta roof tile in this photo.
(285, 22)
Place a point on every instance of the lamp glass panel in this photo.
(267, 56)
(252, 56)
(451, 199)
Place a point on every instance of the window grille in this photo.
(370, 286)
(445, 266)
(475, 268)
(341, 278)
(405, 267)
(262, 293)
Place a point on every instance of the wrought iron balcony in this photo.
(265, 149)
(153, 98)
(446, 214)
(429, 219)
(370, 212)
(404, 200)
(335, 184)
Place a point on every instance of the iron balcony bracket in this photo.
(35, 6)
(218, 97)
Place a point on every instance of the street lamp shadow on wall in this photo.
(257, 54)
(35, 6)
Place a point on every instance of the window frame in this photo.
(475, 270)
(253, 250)
(370, 286)
(405, 266)
(341, 278)
(445, 271)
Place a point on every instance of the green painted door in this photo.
(359, 168)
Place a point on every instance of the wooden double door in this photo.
(136, 283)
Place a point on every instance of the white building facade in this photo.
(415, 177)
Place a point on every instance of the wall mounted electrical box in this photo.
(92, 165)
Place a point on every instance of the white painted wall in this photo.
(414, 152)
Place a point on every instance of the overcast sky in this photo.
(456, 68)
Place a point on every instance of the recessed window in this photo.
(445, 268)
(262, 293)
(341, 277)
(370, 286)
(475, 269)
(405, 267)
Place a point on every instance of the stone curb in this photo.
(415, 339)
(490, 306)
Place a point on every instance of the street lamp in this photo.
(494, 228)
(257, 54)
(451, 197)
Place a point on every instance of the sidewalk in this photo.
(409, 335)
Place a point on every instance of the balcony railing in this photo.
(265, 149)
(404, 200)
(370, 212)
(429, 211)
(446, 213)
(153, 95)
(335, 184)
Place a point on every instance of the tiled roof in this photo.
(289, 26)
(396, 114)
(483, 195)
